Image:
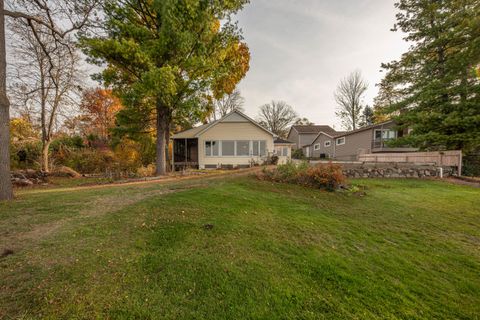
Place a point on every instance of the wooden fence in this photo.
(451, 158)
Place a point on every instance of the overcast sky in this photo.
(301, 49)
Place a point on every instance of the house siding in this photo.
(293, 137)
(328, 151)
(355, 144)
(232, 131)
(306, 138)
(278, 150)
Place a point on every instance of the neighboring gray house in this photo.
(302, 135)
(348, 145)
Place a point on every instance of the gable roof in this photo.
(279, 140)
(309, 129)
(342, 134)
(197, 131)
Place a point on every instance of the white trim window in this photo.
(316, 146)
(212, 148)
(228, 148)
(242, 148)
(285, 151)
(263, 148)
(327, 143)
(236, 148)
(340, 141)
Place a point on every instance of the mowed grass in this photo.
(238, 248)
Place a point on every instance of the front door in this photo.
(307, 152)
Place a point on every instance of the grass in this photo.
(409, 249)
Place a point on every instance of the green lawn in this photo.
(409, 249)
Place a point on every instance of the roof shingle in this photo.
(315, 129)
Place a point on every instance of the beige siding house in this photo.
(348, 145)
(283, 150)
(233, 141)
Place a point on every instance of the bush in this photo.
(89, 160)
(322, 176)
(25, 155)
(146, 171)
(298, 154)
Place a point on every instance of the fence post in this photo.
(460, 164)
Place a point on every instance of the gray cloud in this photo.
(301, 49)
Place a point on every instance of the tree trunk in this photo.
(5, 181)
(163, 125)
(45, 152)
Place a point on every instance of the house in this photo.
(230, 142)
(348, 145)
(302, 135)
(283, 150)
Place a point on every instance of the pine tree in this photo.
(435, 90)
(164, 57)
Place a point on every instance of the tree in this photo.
(100, 108)
(367, 117)
(438, 92)
(46, 79)
(60, 18)
(348, 95)
(277, 117)
(303, 122)
(226, 104)
(164, 57)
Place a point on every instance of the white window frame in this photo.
(316, 146)
(249, 153)
(327, 143)
(340, 143)
(234, 148)
(285, 152)
(211, 148)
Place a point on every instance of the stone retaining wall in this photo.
(394, 170)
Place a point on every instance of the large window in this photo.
(340, 141)
(212, 148)
(238, 148)
(243, 148)
(263, 148)
(285, 151)
(385, 134)
(228, 148)
(255, 148)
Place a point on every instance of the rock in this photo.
(22, 183)
(64, 171)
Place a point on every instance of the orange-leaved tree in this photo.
(100, 107)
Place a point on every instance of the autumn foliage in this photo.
(100, 108)
(327, 176)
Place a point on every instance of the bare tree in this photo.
(46, 79)
(277, 117)
(227, 104)
(60, 18)
(348, 95)
(303, 122)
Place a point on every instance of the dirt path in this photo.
(16, 241)
(207, 176)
